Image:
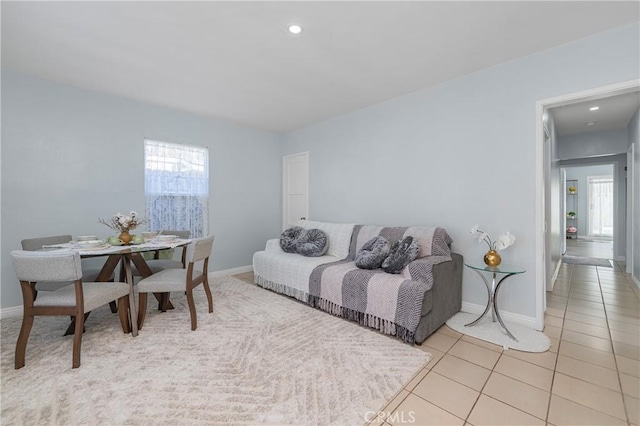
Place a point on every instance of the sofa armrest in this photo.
(417, 269)
(273, 246)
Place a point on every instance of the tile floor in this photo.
(591, 374)
(590, 248)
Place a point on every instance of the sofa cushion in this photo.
(402, 253)
(373, 253)
(433, 241)
(339, 235)
(312, 243)
(289, 238)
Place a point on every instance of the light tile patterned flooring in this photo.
(591, 374)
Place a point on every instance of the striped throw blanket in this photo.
(389, 303)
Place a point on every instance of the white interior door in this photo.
(295, 192)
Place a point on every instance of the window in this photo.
(176, 186)
(600, 205)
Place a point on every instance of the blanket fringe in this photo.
(282, 289)
(372, 321)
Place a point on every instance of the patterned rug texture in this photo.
(259, 358)
(591, 261)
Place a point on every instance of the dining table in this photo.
(125, 256)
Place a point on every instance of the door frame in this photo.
(631, 190)
(284, 185)
(542, 186)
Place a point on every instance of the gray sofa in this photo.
(410, 305)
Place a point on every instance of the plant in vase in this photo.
(124, 224)
(492, 257)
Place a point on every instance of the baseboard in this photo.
(506, 316)
(232, 271)
(16, 311)
(11, 312)
(554, 277)
(635, 280)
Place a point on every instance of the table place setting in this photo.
(114, 245)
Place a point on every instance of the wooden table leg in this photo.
(133, 315)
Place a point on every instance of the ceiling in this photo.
(236, 61)
(613, 113)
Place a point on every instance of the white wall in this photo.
(71, 156)
(458, 153)
(594, 144)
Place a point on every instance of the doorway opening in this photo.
(550, 237)
(600, 204)
(589, 211)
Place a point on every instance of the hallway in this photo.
(589, 248)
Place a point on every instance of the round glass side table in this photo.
(493, 288)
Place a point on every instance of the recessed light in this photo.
(594, 108)
(294, 29)
(591, 123)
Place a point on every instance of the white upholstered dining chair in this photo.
(182, 280)
(73, 300)
(34, 244)
(89, 274)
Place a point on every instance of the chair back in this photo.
(33, 244)
(200, 249)
(58, 266)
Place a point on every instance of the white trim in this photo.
(554, 277)
(16, 311)
(232, 271)
(510, 317)
(11, 312)
(539, 234)
(636, 281)
(631, 189)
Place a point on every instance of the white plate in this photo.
(89, 244)
(80, 238)
(100, 247)
(166, 238)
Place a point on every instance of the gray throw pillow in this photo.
(373, 253)
(402, 253)
(289, 238)
(312, 243)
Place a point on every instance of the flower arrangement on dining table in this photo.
(124, 224)
(492, 257)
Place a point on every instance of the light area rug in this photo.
(259, 358)
(590, 261)
(529, 340)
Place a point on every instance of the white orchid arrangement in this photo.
(505, 240)
(123, 223)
